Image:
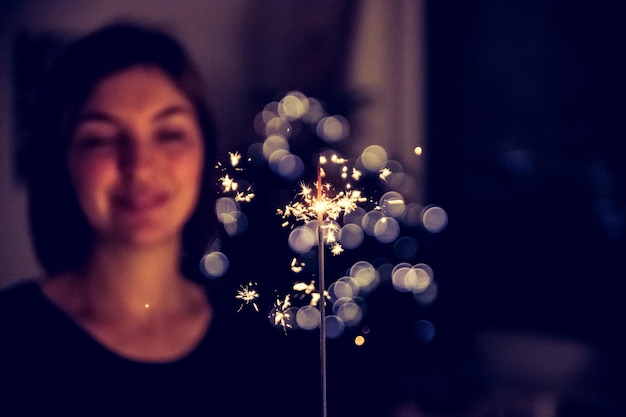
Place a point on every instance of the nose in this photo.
(136, 158)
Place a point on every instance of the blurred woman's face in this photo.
(136, 158)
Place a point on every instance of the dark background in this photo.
(525, 114)
(525, 105)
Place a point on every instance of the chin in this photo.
(146, 236)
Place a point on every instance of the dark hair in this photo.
(61, 235)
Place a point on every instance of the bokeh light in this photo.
(351, 236)
(387, 229)
(348, 310)
(230, 215)
(225, 207)
(392, 204)
(345, 287)
(293, 105)
(301, 239)
(434, 219)
(365, 275)
(214, 264)
(369, 221)
(286, 165)
(314, 113)
(333, 128)
(308, 317)
(423, 331)
(274, 143)
(373, 158)
(414, 279)
(277, 126)
(236, 223)
(334, 327)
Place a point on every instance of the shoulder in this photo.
(23, 308)
(19, 296)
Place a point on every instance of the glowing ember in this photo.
(248, 295)
(384, 174)
(235, 157)
(296, 266)
(229, 184)
(280, 314)
(309, 289)
(336, 249)
(330, 207)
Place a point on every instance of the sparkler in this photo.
(325, 209)
(316, 213)
(320, 243)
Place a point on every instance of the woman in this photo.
(121, 201)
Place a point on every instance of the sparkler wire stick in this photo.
(322, 286)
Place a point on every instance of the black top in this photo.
(51, 366)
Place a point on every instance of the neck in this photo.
(128, 280)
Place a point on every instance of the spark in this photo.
(295, 266)
(305, 190)
(356, 174)
(235, 157)
(309, 208)
(281, 313)
(331, 237)
(337, 160)
(248, 294)
(244, 197)
(385, 173)
(228, 183)
(309, 289)
(336, 249)
(315, 297)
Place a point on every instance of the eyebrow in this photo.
(174, 110)
(96, 115)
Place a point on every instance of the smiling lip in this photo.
(140, 202)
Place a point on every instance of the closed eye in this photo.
(87, 143)
(170, 135)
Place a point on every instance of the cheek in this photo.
(89, 176)
(189, 168)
